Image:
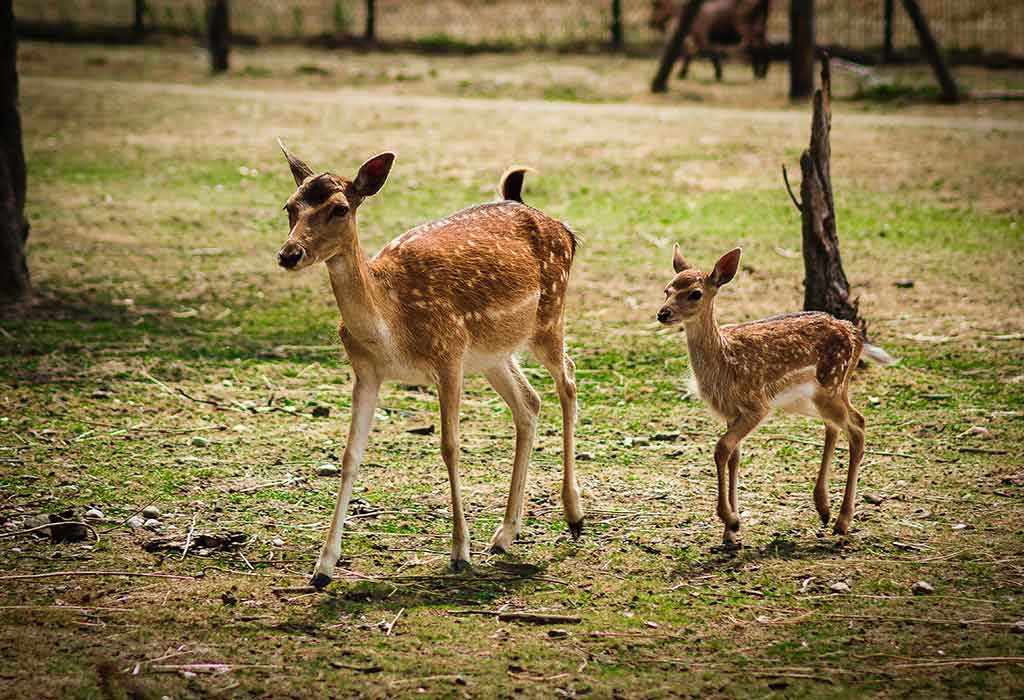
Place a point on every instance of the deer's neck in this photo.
(357, 292)
(704, 342)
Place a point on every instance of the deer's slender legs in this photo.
(716, 59)
(563, 371)
(510, 383)
(449, 391)
(727, 444)
(855, 434)
(734, 477)
(364, 402)
(686, 66)
(821, 486)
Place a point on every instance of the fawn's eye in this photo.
(695, 295)
(339, 211)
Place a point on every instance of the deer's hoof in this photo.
(841, 528)
(576, 529)
(496, 549)
(320, 581)
(459, 565)
(825, 516)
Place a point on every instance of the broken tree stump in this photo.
(825, 285)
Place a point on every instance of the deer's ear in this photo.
(300, 171)
(678, 263)
(373, 174)
(725, 268)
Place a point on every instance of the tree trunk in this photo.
(370, 31)
(801, 49)
(825, 284)
(887, 36)
(139, 25)
(950, 92)
(14, 278)
(675, 42)
(219, 24)
(617, 35)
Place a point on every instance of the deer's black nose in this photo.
(664, 315)
(289, 256)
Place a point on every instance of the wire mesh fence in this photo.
(976, 32)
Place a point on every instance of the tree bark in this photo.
(370, 31)
(219, 27)
(801, 49)
(675, 42)
(14, 277)
(825, 284)
(617, 33)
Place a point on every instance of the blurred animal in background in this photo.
(718, 24)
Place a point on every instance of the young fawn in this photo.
(798, 362)
(457, 295)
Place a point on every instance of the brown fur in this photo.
(719, 22)
(799, 362)
(463, 293)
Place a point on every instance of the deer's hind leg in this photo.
(837, 412)
(449, 392)
(854, 429)
(551, 352)
(510, 383)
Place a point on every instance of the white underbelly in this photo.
(798, 398)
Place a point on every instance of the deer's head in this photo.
(691, 290)
(322, 211)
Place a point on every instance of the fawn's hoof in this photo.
(728, 546)
(841, 528)
(576, 529)
(459, 565)
(496, 549)
(825, 516)
(320, 581)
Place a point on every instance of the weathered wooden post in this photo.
(139, 24)
(370, 31)
(617, 36)
(14, 278)
(801, 49)
(890, 6)
(675, 42)
(219, 29)
(950, 92)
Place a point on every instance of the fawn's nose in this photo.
(664, 315)
(290, 255)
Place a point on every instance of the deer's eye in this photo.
(339, 211)
(695, 295)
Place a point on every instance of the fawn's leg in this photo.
(855, 434)
(563, 371)
(686, 66)
(510, 383)
(821, 485)
(738, 429)
(734, 477)
(364, 402)
(717, 60)
(449, 392)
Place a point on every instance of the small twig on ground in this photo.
(539, 618)
(976, 661)
(285, 590)
(129, 574)
(188, 538)
(87, 526)
(982, 450)
(391, 625)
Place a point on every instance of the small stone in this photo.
(135, 522)
(665, 437)
(874, 400)
(152, 524)
(422, 430)
(584, 456)
(327, 469)
(94, 514)
(921, 588)
(840, 587)
(321, 411)
(959, 526)
(557, 634)
(101, 394)
(37, 521)
(1018, 627)
(873, 499)
(904, 284)
(150, 512)
(277, 542)
(638, 441)
(199, 441)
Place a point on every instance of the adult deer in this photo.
(800, 362)
(719, 23)
(457, 295)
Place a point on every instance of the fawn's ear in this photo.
(300, 171)
(373, 174)
(678, 263)
(725, 268)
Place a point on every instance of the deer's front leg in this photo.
(726, 451)
(449, 392)
(364, 402)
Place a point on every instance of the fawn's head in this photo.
(322, 212)
(691, 290)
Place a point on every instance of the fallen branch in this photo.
(188, 538)
(976, 661)
(129, 574)
(539, 618)
(391, 625)
(47, 526)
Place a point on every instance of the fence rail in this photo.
(994, 26)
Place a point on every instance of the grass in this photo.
(155, 200)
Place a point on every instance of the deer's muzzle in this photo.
(290, 255)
